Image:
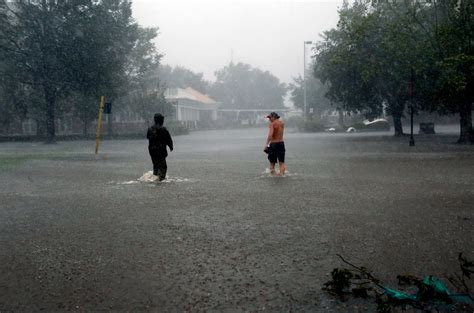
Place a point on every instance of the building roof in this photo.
(188, 93)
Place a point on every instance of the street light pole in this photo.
(410, 92)
(304, 77)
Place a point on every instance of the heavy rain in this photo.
(236, 156)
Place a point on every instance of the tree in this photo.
(341, 64)
(448, 27)
(146, 95)
(13, 104)
(28, 37)
(369, 58)
(394, 53)
(101, 39)
(240, 86)
(379, 47)
(315, 94)
(60, 48)
(180, 77)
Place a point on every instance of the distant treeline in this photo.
(58, 57)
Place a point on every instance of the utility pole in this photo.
(99, 124)
(304, 77)
(410, 93)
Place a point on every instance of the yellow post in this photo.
(99, 124)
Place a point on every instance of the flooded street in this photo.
(84, 232)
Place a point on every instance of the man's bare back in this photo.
(275, 147)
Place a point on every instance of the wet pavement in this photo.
(84, 232)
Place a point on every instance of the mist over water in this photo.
(220, 224)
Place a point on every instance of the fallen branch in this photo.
(431, 293)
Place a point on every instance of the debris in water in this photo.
(426, 294)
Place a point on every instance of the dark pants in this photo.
(276, 152)
(159, 165)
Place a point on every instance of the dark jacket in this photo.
(158, 138)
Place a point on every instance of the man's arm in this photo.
(270, 134)
(169, 141)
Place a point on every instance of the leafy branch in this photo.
(431, 293)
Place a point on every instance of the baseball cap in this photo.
(273, 114)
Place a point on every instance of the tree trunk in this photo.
(39, 129)
(465, 114)
(85, 128)
(110, 129)
(341, 118)
(50, 116)
(397, 124)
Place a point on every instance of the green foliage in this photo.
(12, 160)
(315, 95)
(366, 61)
(378, 47)
(242, 86)
(13, 104)
(455, 81)
(446, 82)
(424, 294)
(64, 54)
(180, 77)
(144, 91)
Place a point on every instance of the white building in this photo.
(191, 106)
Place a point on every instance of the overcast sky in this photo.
(205, 35)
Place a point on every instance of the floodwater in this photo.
(86, 232)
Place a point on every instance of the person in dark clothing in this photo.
(158, 138)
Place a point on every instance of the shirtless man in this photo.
(275, 145)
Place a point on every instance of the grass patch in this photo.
(13, 160)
